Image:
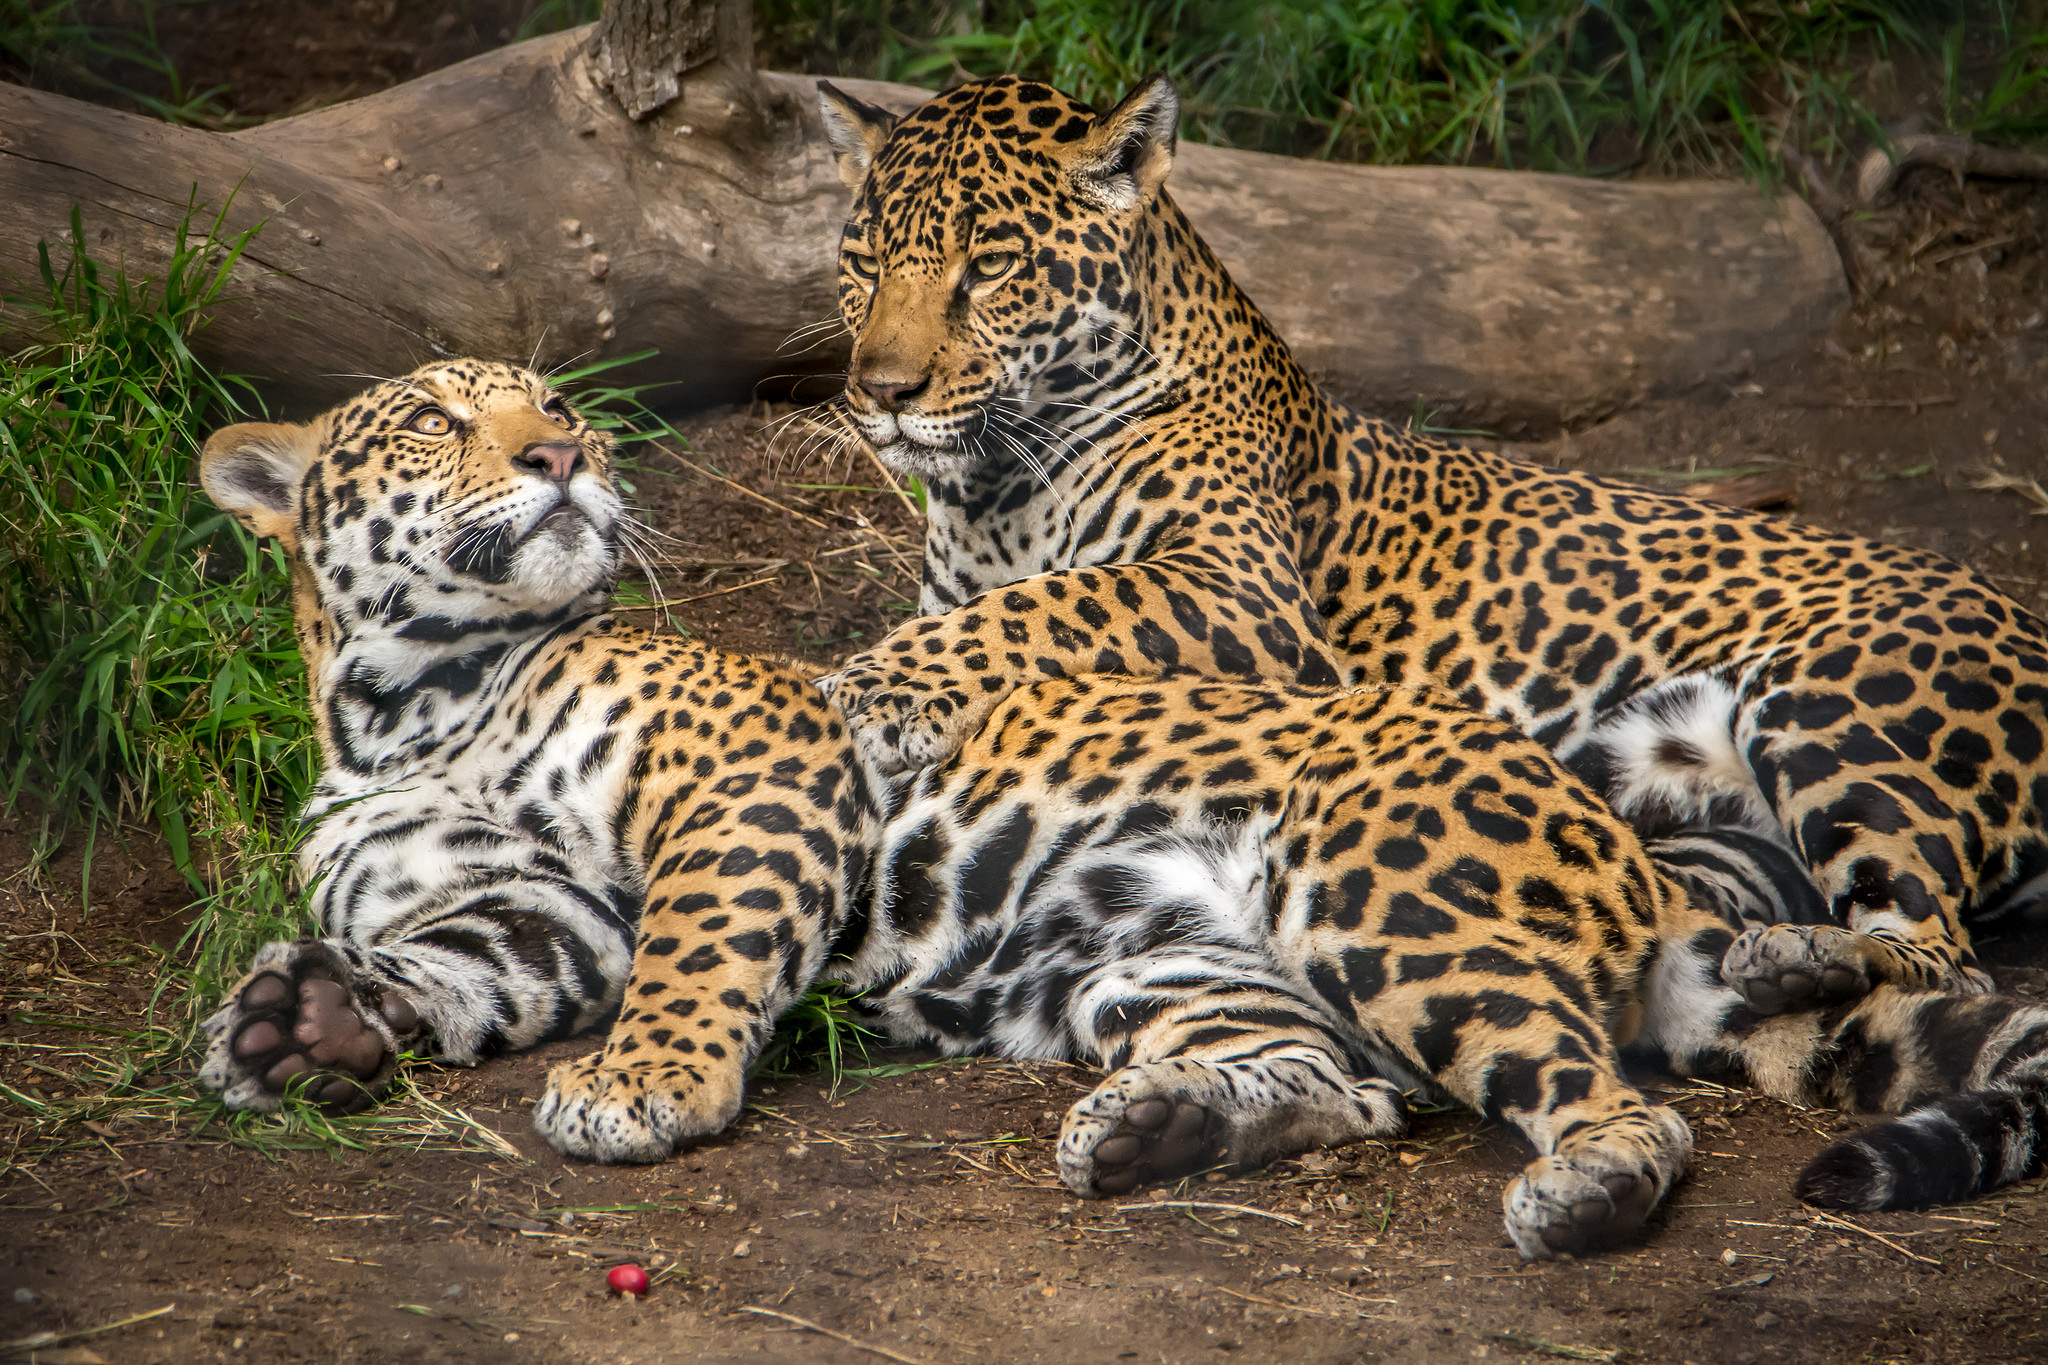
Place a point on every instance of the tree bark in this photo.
(641, 48)
(510, 207)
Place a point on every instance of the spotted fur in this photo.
(1128, 472)
(1264, 911)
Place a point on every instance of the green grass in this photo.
(820, 1033)
(2012, 106)
(147, 663)
(61, 44)
(1552, 84)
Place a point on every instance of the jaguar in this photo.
(1127, 471)
(1266, 912)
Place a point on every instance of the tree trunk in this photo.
(510, 207)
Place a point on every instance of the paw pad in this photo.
(298, 1023)
(1787, 967)
(1157, 1139)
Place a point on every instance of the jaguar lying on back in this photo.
(1127, 470)
(1266, 911)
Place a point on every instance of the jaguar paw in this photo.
(1595, 1196)
(302, 1019)
(1160, 1121)
(901, 724)
(1783, 967)
(599, 1109)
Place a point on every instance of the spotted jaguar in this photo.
(1266, 912)
(1127, 471)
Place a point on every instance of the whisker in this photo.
(554, 370)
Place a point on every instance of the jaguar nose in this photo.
(891, 394)
(557, 460)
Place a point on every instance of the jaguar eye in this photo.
(557, 412)
(431, 422)
(864, 265)
(992, 264)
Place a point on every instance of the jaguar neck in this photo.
(1207, 332)
(388, 694)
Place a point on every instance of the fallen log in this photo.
(508, 206)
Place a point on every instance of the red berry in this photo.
(627, 1279)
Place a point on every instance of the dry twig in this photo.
(740, 488)
(41, 1340)
(1276, 1303)
(679, 601)
(1994, 481)
(1215, 1208)
(1832, 1221)
(855, 1342)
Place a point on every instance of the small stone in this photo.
(743, 1250)
(24, 1296)
(453, 1291)
(1764, 1321)
(605, 318)
(1728, 1257)
(600, 266)
(683, 130)
(572, 228)
(431, 181)
(495, 268)
(392, 163)
(511, 1336)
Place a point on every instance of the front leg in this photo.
(750, 880)
(917, 697)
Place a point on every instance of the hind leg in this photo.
(1788, 952)
(1215, 1061)
(1778, 755)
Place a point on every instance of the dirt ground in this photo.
(916, 1213)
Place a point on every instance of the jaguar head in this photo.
(465, 491)
(987, 269)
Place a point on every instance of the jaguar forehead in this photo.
(963, 147)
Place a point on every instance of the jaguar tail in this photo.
(1943, 1153)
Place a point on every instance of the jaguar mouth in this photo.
(562, 521)
(927, 462)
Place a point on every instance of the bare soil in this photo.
(917, 1213)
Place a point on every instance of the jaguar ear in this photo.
(857, 131)
(252, 472)
(1123, 160)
